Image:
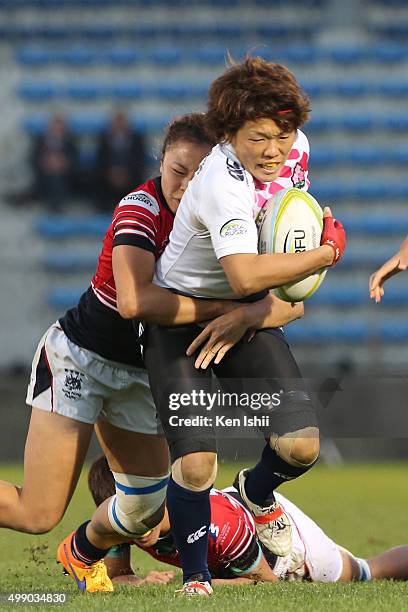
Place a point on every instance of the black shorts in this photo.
(266, 364)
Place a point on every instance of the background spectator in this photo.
(53, 160)
(120, 162)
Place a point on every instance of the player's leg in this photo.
(54, 454)
(138, 458)
(293, 444)
(192, 448)
(60, 429)
(391, 564)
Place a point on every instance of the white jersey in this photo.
(216, 218)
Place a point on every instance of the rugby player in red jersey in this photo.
(235, 555)
(88, 371)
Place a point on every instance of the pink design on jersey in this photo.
(293, 174)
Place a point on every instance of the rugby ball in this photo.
(292, 222)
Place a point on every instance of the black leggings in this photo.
(265, 364)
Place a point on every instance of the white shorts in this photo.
(313, 552)
(81, 385)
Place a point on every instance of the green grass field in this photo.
(362, 507)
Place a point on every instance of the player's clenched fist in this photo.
(333, 235)
(397, 263)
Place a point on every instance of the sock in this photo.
(268, 474)
(83, 550)
(365, 572)
(190, 517)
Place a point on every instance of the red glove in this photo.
(334, 235)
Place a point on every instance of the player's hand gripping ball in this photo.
(292, 222)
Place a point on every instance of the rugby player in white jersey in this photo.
(235, 554)
(254, 112)
(396, 264)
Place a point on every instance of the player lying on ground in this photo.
(88, 370)
(396, 264)
(255, 110)
(235, 555)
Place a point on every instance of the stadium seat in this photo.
(124, 56)
(128, 90)
(348, 54)
(395, 89)
(70, 262)
(70, 227)
(34, 56)
(35, 124)
(62, 298)
(37, 91)
(86, 91)
(166, 55)
(313, 333)
(389, 53)
(77, 55)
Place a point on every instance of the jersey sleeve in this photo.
(226, 211)
(135, 221)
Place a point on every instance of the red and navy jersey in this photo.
(141, 219)
(231, 537)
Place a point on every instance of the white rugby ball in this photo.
(292, 222)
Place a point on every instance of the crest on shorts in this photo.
(72, 384)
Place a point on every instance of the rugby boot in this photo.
(196, 587)
(91, 578)
(272, 524)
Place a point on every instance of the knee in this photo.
(196, 471)
(299, 448)
(305, 450)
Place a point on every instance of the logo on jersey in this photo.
(73, 384)
(193, 537)
(234, 227)
(235, 170)
(213, 531)
(298, 176)
(142, 199)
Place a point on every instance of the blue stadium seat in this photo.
(62, 298)
(357, 122)
(35, 124)
(390, 331)
(150, 123)
(64, 228)
(389, 53)
(348, 54)
(78, 55)
(124, 56)
(37, 91)
(375, 224)
(128, 90)
(34, 56)
(337, 295)
(212, 54)
(86, 90)
(301, 53)
(85, 124)
(171, 90)
(396, 89)
(351, 88)
(67, 263)
(166, 55)
(313, 333)
(397, 122)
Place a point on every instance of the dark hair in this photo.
(100, 480)
(190, 127)
(252, 90)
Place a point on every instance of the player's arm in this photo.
(138, 298)
(249, 273)
(221, 334)
(249, 567)
(396, 264)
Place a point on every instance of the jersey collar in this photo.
(157, 184)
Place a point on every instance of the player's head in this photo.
(186, 143)
(100, 481)
(257, 106)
